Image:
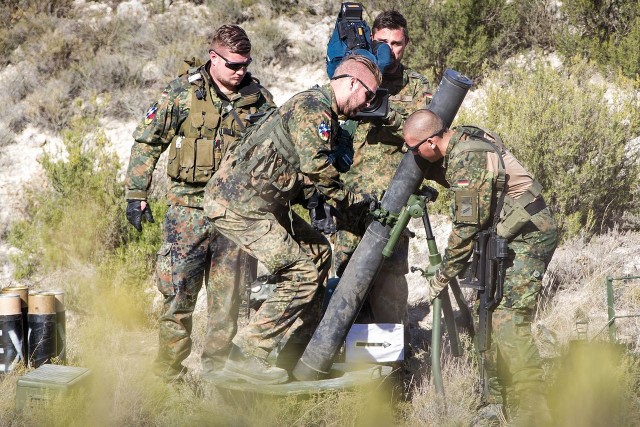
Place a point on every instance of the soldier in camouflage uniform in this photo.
(283, 159)
(475, 164)
(378, 147)
(197, 116)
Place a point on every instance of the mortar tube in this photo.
(41, 345)
(12, 335)
(367, 259)
(23, 291)
(61, 326)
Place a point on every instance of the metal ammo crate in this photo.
(47, 382)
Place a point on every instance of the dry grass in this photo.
(109, 332)
(575, 289)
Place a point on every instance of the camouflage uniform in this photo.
(191, 248)
(249, 201)
(378, 152)
(514, 366)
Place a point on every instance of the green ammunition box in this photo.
(48, 382)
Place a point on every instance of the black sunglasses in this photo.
(416, 147)
(369, 93)
(235, 66)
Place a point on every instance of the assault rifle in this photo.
(487, 276)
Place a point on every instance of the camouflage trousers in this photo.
(387, 299)
(299, 257)
(193, 252)
(513, 366)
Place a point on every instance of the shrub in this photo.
(571, 130)
(20, 19)
(64, 222)
(607, 32)
(472, 36)
(268, 39)
(76, 222)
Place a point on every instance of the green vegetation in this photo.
(606, 32)
(475, 36)
(76, 222)
(572, 131)
(65, 67)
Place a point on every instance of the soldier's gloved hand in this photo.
(369, 201)
(341, 155)
(341, 160)
(322, 218)
(135, 212)
(431, 270)
(435, 284)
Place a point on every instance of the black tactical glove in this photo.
(341, 158)
(322, 218)
(341, 153)
(369, 201)
(134, 213)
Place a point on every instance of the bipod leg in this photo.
(436, 344)
(450, 323)
(465, 312)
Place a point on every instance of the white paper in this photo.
(375, 342)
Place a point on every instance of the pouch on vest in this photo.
(191, 160)
(227, 137)
(514, 219)
(173, 162)
(205, 159)
(274, 178)
(466, 207)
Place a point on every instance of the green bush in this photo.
(76, 222)
(607, 32)
(571, 130)
(471, 36)
(69, 214)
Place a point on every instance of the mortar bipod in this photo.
(442, 303)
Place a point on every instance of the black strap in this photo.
(536, 206)
(228, 107)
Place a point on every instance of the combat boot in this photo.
(253, 369)
(493, 415)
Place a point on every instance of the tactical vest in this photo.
(514, 213)
(281, 183)
(196, 150)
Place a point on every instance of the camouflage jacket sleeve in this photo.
(153, 135)
(313, 125)
(472, 187)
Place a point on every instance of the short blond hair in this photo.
(356, 64)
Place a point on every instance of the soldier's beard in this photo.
(352, 108)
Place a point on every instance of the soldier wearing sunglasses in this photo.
(195, 119)
(283, 160)
(491, 189)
